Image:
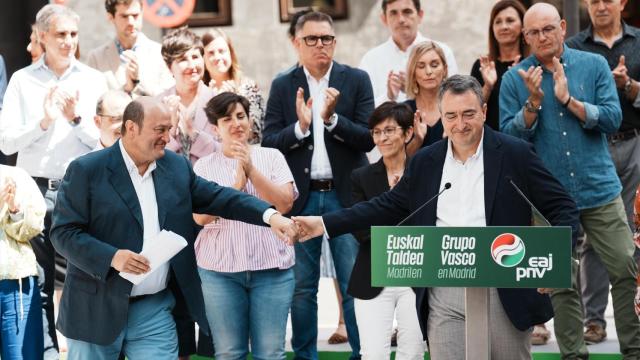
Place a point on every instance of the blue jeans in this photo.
(20, 333)
(150, 333)
(304, 309)
(248, 306)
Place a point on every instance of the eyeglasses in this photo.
(546, 31)
(389, 131)
(312, 40)
(113, 119)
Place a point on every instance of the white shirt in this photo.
(146, 193)
(380, 60)
(320, 163)
(463, 203)
(47, 153)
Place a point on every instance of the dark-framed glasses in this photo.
(312, 40)
(535, 33)
(388, 131)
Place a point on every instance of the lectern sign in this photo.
(511, 257)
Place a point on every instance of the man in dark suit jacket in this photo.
(112, 203)
(485, 161)
(317, 117)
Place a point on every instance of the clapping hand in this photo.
(488, 71)
(560, 84)
(303, 110)
(620, 73)
(419, 128)
(331, 96)
(181, 118)
(533, 80)
(284, 228)
(395, 83)
(58, 103)
(8, 195)
(132, 69)
(309, 227)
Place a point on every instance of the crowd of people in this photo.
(268, 195)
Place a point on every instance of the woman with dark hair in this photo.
(426, 70)
(223, 74)
(191, 134)
(506, 48)
(245, 270)
(391, 126)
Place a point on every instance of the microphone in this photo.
(447, 186)
(522, 195)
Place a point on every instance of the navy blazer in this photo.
(505, 157)
(346, 144)
(97, 212)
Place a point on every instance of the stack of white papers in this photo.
(159, 250)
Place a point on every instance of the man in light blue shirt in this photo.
(565, 102)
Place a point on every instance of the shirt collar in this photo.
(626, 31)
(131, 166)
(325, 77)
(476, 155)
(139, 40)
(41, 64)
(419, 38)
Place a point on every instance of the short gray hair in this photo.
(49, 12)
(460, 84)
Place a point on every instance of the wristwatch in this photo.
(75, 121)
(529, 107)
(628, 85)
(332, 120)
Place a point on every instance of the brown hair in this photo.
(110, 5)
(223, 104)
(416, 4)
(234, 71)
(411, 87)
(176, 43)
(494, 48)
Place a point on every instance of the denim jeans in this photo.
(248, 306)
(20, 321)
(150, 333)
(304, 309)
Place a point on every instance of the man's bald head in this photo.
(544, 31)
(137, 109)
(541, 10)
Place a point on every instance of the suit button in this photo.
(306, 170)
(310, 147)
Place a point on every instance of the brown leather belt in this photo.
(623, 135)
(321, 185)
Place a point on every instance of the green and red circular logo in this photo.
(507, 250)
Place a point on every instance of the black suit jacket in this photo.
(346, 144)
(98, 212)
(505, 157)
(366, 183)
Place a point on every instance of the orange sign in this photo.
(168, 13)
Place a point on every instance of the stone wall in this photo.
(264, 50)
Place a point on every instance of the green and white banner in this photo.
(507, 257)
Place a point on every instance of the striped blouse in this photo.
(233, 246)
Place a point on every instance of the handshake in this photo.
(298, 228)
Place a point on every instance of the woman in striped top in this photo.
(246, 271)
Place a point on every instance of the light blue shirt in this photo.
(47, 153)
(576, 153)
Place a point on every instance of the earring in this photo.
(416, 89)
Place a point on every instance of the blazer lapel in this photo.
(121, 182)
(164, 193)
(492, 170)
(336, 78)
(379, 180)
(434, 177)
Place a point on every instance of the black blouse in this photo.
(493, 106)
(434, 133)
